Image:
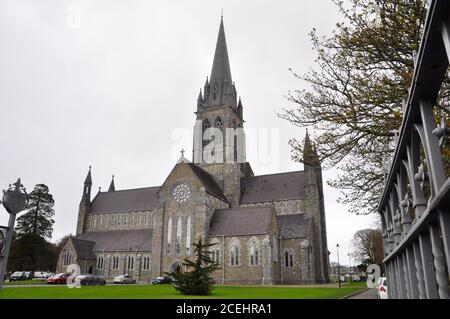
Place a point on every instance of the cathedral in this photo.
(264, 229)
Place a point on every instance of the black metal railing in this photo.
(415, 204)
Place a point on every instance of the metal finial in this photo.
(221, 15)
(182, 152)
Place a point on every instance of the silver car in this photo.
(124, 279)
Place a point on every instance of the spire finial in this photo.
(221, 15)
(182, 152)
(112, 187)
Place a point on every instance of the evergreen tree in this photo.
(197, 279)
(38, 218)
(31, 252)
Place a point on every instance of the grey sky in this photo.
(113, 92)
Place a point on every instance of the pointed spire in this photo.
(88, 180)
(221, 65)
(112, 187)
(220, 79)
(310, 156)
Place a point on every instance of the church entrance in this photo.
(176, 267)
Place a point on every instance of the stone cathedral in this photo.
(267, 229)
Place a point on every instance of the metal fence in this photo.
(415, 204)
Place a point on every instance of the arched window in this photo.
(206, 124)
(215, 89)
(275, 248)
(288, 257)
(215, 250)
(130, 262)
(66, 257)
(253, 251)
(234, 248)
(146, 263)
(115, 262)
(188, 236)
(169, 234)
(179, 234)
(218, 123)
(100, 262)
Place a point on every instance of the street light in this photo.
(339, 271)
(14, 200)
(350, 267)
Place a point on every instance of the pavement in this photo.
(366, 294)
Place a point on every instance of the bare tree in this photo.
(368, 247)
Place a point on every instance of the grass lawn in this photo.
(168, 292)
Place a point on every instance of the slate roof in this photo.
(83, 248)
(119, 240)
(240, 221)
(293, 226)
(265, 188)
(208, 182)
(129, 200)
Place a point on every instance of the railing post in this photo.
(414, 292)
(406, 277)
(419, 271)
(428, 266)
(441, 275)
(431, 147)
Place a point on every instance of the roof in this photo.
(120, 240)
(83, 248)
(208, 181)
(293, 226)
(241, 221)
(265, 188)
(129, 200)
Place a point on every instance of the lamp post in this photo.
(14, 200)
(339, 271)
(350, 267)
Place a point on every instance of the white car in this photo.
(382, 290)
(41, 275)
(124, 279)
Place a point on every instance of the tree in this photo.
(355, 94)
(368, 247)
(31, 252)
(38, 218)
(198, 280)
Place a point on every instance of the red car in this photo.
(58, 279)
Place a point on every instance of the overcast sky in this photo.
(116, 86)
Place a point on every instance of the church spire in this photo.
(88, 180)
(112, 187)
(310, 156)
(220, 82)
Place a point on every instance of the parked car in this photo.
(41, 275)
(18, 275)
(162, 280)
(124, 279)
(382, 290)
(58, 279)
(91, 280)
(356, 278)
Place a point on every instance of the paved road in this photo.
(368, 294)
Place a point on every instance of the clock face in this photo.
(181, 192)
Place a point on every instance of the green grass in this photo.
(168, 292)
(26, 282)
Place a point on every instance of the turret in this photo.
(85, 203)
(112, 187)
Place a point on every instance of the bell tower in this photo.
(219, 138)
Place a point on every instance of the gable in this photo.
(274, 187)
(293, 226)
